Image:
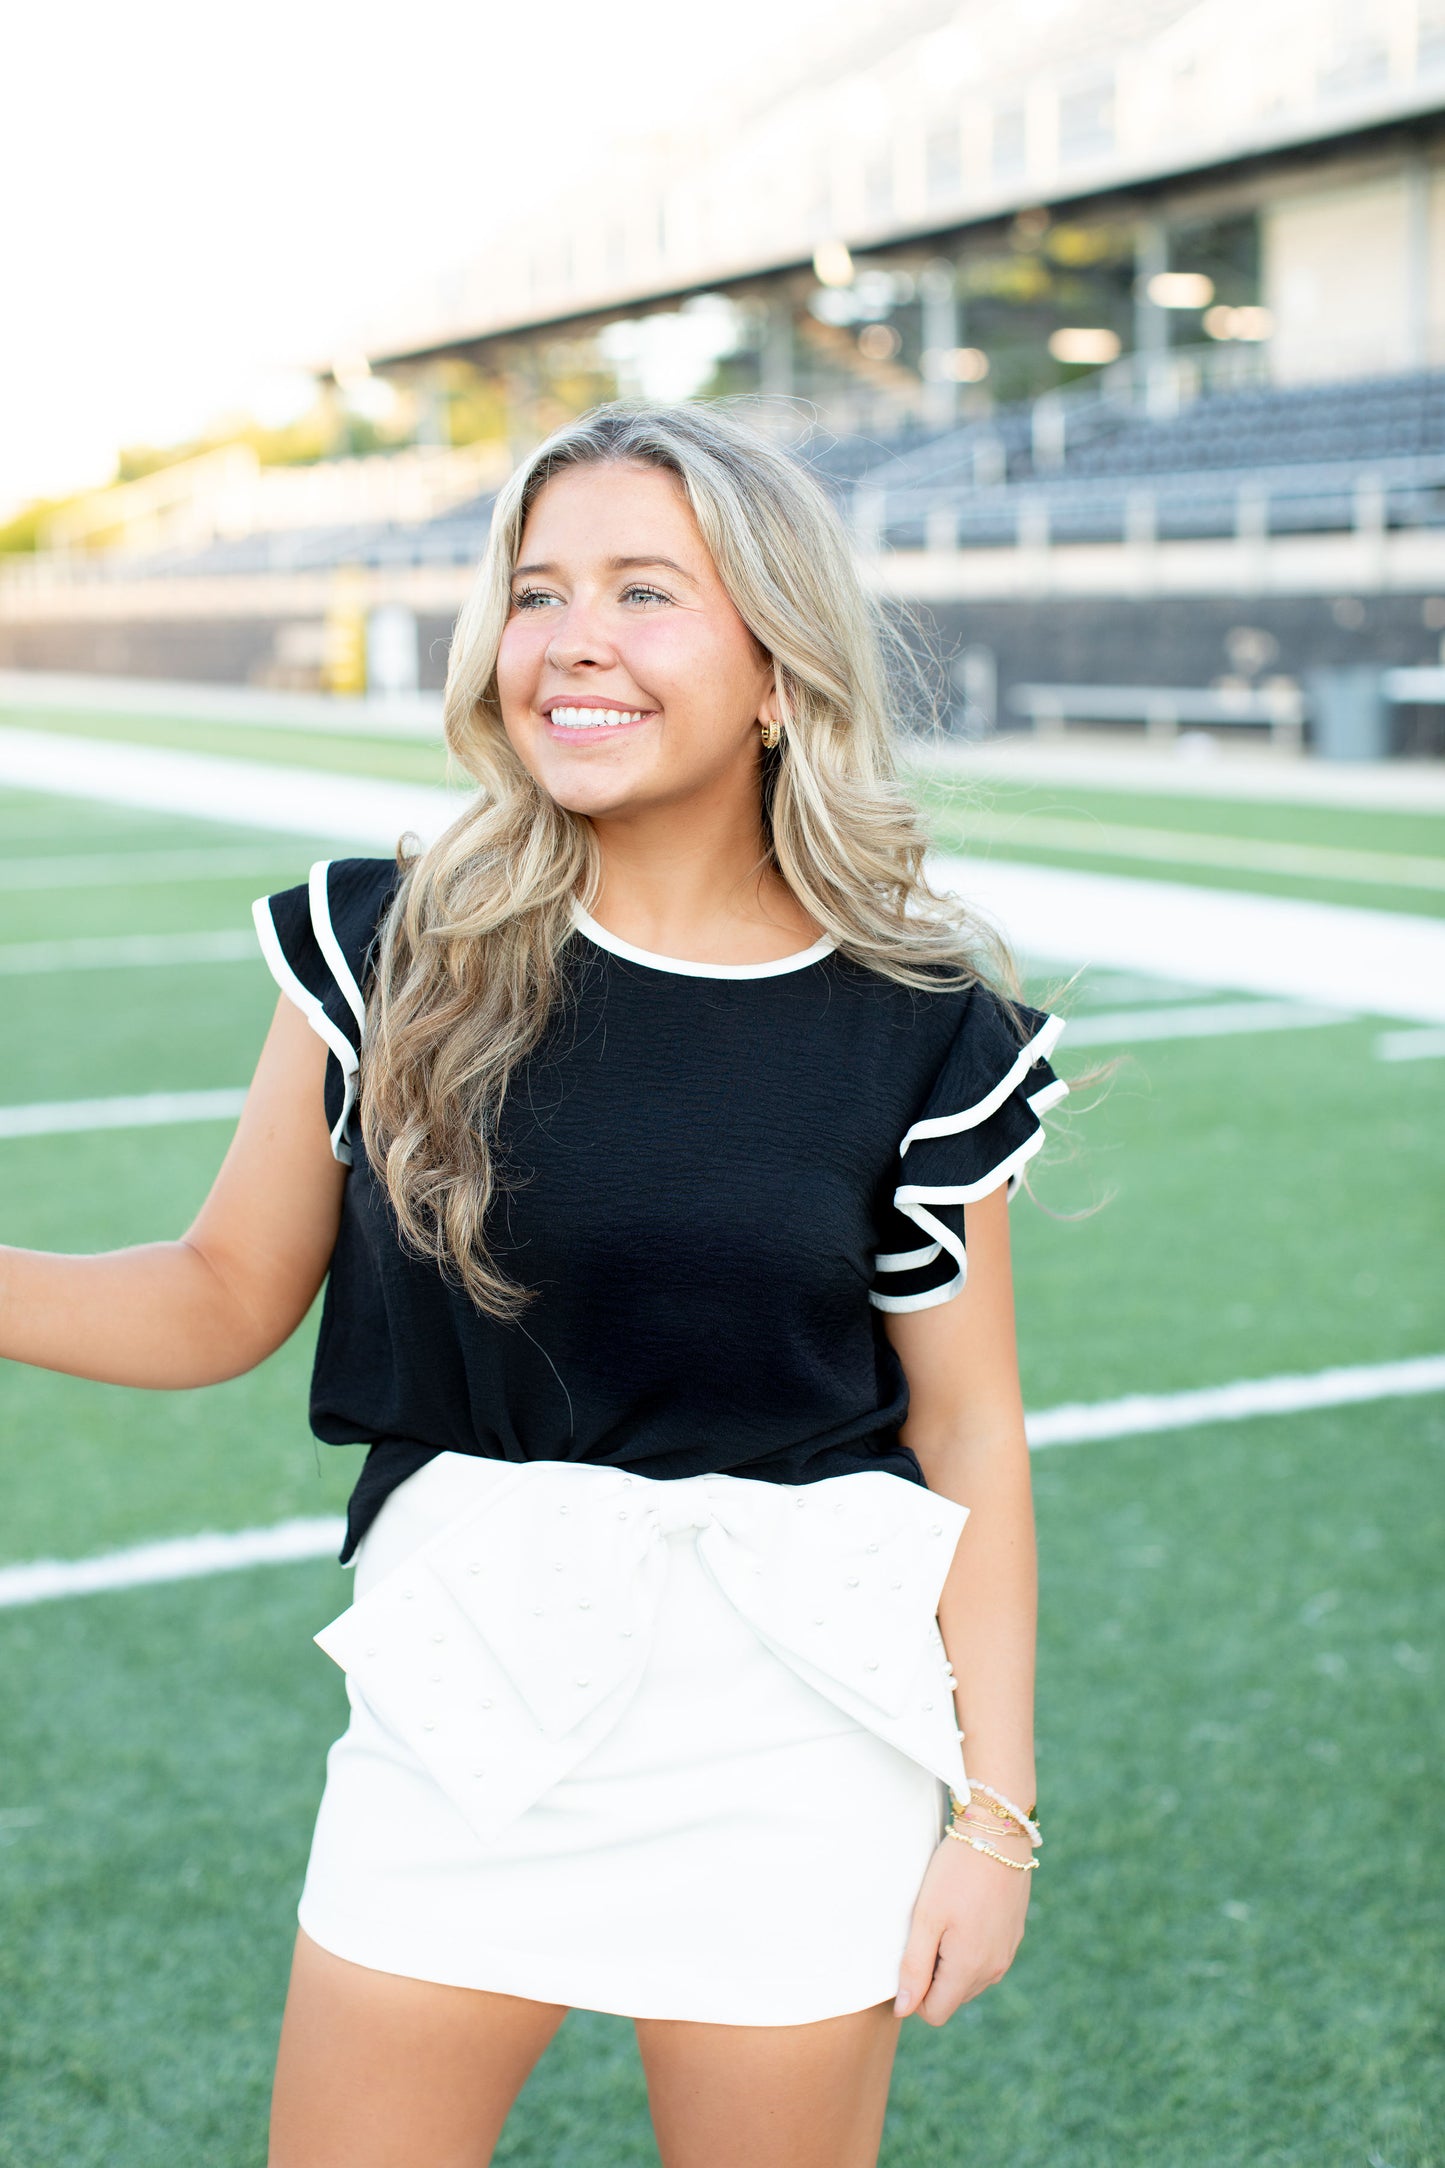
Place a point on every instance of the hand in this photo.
(968, 1921)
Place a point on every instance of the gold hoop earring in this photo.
(772, 735)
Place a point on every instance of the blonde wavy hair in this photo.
(469, 966)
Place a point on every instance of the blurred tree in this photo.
(328, 430)
(22, 532)
(470, 403)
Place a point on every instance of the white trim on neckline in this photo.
(614, 943)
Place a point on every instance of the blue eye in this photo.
(526, 596)
(653, 594)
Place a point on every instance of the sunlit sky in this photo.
(199, 201)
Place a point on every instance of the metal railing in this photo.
(1423, 688)
(1249, 504)
(1348, 710)
(1163, 708)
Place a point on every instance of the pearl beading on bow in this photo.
(503, 1649)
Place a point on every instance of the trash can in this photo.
(1350, 717)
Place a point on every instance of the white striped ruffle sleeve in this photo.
(980, 1124)
(316, 939)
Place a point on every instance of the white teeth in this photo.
(594, 718)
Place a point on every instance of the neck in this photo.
(701, 889)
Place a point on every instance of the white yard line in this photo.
(1121, 989)
(183, 1558)
(1195, 768)
(1170, 846)
(144, 869)
(1199, 1020)
(365, 810)
(140, 1110)
(1382, 963)
(111, 952)
(1141, 1413)
(1410, 1045)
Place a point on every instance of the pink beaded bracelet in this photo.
(1029, 1826)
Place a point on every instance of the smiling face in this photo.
(626, 678)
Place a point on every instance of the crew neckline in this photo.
(616, 946)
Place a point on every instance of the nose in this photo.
(680, 1504)
(578, 639)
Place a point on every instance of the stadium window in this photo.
(943, 162)
(1227, 252)
(1086, 118)
(878, 185)
(1010, 140)
(1357, 55)
(1429, 35)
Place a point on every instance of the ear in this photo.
(768, 706)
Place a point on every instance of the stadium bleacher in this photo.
(1264, 459)
(1092, 466)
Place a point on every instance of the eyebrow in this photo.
(616, 564)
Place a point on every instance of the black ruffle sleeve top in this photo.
(718, 1178)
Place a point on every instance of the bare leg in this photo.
(770, 2096)
(376, 2071)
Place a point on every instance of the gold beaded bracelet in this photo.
(990, 1801)
(977, 1844)
(990, 1829)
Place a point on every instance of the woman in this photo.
(645, 1128)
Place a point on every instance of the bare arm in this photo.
(235, 1285)
(966, 1427)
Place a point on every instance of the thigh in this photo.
(770, 2096)
(377, 2071)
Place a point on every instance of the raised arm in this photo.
(234, 1286)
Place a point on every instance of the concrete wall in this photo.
(1354, 274)
(1055, 639)
(206, 651)
(1185, 641)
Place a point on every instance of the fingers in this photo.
(915, 1973)
(939, 1973)
(957, 1979)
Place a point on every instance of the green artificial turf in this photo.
(1230, 1947)
(41, 836)
(172, 1027)
(1231, 1958)
(1232, 1954)
(1264, 820)
(972, 818)
(405, 759)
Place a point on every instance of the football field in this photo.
(1233, 1944)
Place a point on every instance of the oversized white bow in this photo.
(503, 1649)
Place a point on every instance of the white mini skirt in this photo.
(667, 1749)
